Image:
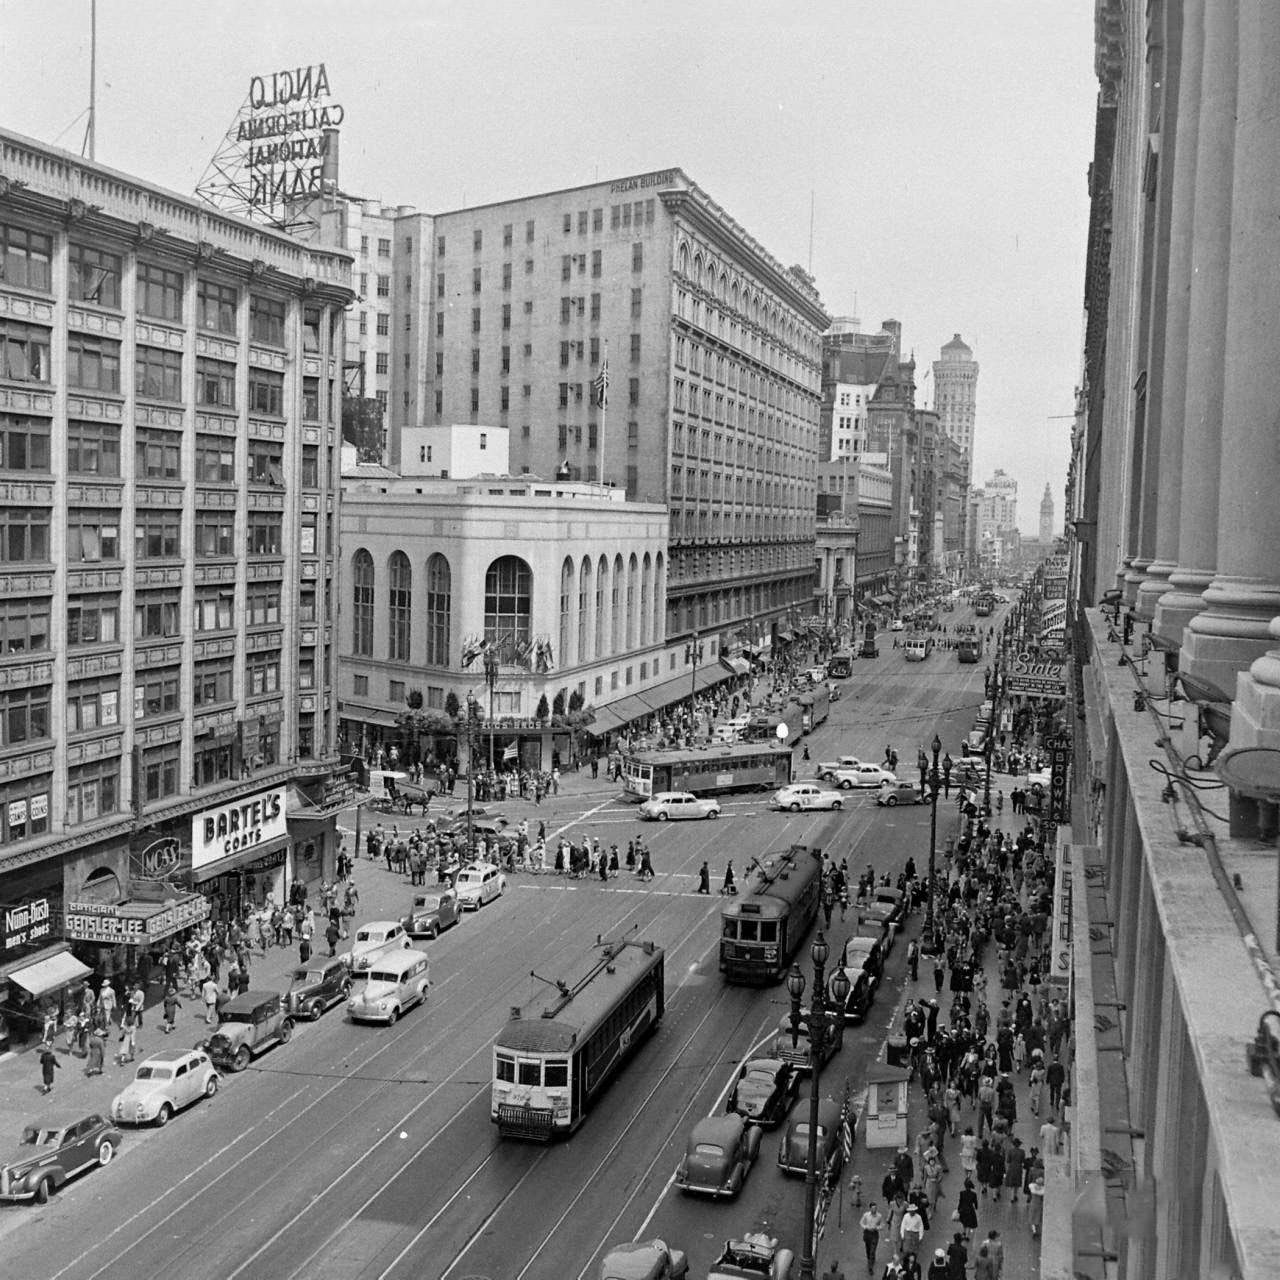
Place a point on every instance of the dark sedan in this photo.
(793, 1151)
(764, 1091)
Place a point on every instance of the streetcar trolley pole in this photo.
(933, 780)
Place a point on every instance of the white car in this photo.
(806, 795)
(678, 804)
(479, 883)
(897, 624)
(375, 939)
(163, 1084)
(829, 768)
(1042, 777)
(864, 775)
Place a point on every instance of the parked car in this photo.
(252, 1022)
(52, 1152)
(900, 792)
(797, 1054)
(764, 1091)
(1041, 777)
(162, 1085)
(827, 769)
(490, 830)
(897, 903)
(886, 915)
(805, 795)
(869, 952)
(897, 624)
(875, 928)
(479, 883)
(644, 1260)
(719, 1155)
(432, 912)
(679, 804)
(318, 985)
(756, 1256)
(373, 940)
(869, 648)
(862, 991)
(864, 775)
(793, 1150)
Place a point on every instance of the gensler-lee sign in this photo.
(232, 828)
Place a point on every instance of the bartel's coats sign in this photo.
(243, 824)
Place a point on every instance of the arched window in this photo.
(508, 607)
(584, 610)
(362, 583)
(566, 612)
(439, 602)
(399, 606)
(646, 598)
(659, 596)
(616, 602)
(633, 572)
(602, 606)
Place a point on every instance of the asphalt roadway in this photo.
(367, 1152)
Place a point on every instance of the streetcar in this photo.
(557, 1053)
(815, 706)
(984, 605)
(840, 664)
(722, 766)
(968, 645)
(761, 929)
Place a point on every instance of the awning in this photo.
(50, 974)
(784, 635)
(882, 599)
(738, 666)
(669, 691)
(616, 714)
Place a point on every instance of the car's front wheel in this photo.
(242, 1059)
(211, 1086)
(662, 817)
(794, 806)
(393, 1015)
(837, 804)
(714, 813)
(44, 1188)
(163, 1116)
(846, 784)
(105, 1151)
(286, 1031)
(891, 801)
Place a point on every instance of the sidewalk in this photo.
(1011, 1220)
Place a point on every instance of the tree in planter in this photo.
(413, 700)
(544, 709)
(558, 704)
(575, 701)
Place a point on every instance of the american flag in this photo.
(600, 384)
(510, 751)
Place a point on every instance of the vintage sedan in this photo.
(644, 1260)
(318, 985)
(375, 939)
(796, 1052)
(432, 912)
(805, 795)
(719, 1155)
(827, 769)
(900, 792)
(756, 1256)
(867, 952)
(885, 914)
(793, 1150)
(895, 900)
(666, 805)
(52, 1152)
(764, 1091)
(479, 883)
(251, 1023)
(164, 1084)
(864, 775)
(862, 991)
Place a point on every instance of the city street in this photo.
(357, 1151)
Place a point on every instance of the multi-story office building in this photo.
(852, 366)
(955, 393)
(168, 471)
(714, 370)
(1176, 531)
(1046, 516)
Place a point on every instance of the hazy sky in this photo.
(944, 143)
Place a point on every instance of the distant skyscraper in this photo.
(1046, 517)
(955, 394)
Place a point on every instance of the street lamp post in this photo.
(989, 744)
(491, 679)
(821, 1009)
(473, 709)
(935, 781)
(693, 655)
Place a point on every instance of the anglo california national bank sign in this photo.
(233, 828)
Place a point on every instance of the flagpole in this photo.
(604, 406)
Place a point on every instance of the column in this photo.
(1211, 251)
(1232, 631)
(1172, 387)
(1149, 441)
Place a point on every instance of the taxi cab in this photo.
(805, 795)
